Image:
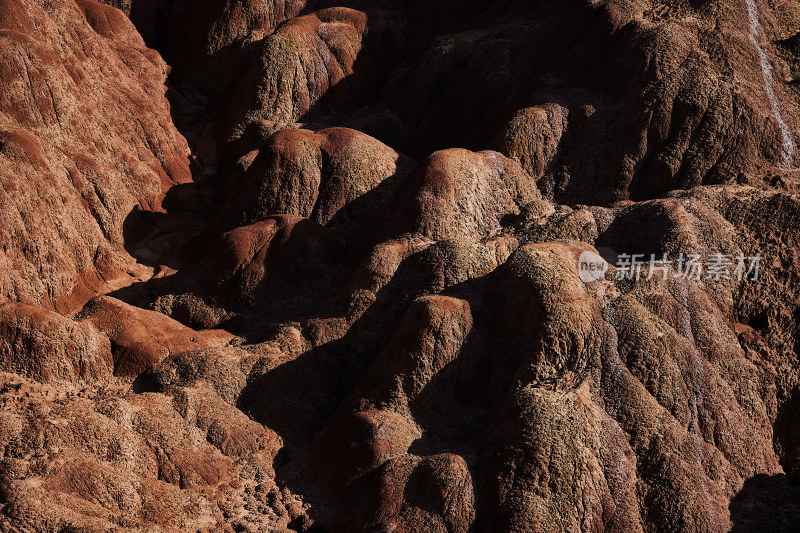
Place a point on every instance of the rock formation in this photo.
(316, 266)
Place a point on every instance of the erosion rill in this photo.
(399, 266)
(756, 34)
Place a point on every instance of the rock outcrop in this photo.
(334, 278)
(86, 137)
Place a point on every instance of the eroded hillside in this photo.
(315, 266)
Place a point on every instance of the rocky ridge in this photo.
(321, 273)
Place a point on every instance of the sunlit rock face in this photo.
(399, 266)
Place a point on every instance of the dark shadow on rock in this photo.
(785, 432)
(767, 504)
(293, 289)
(167, 236)
(297, 398)
(163, 238)
(330, 371)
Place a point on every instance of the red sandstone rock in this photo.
(457, 193)
(45, 346)
(140, 339)
(330, 336)
(85, 123)
(337, 177)
(315, 64)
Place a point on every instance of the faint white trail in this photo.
(769, 84)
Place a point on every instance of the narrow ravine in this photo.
(756, 32)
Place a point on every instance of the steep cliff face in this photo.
(335, 277)
(86, 137)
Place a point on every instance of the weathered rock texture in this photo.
(86, 137)
(346, 296)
